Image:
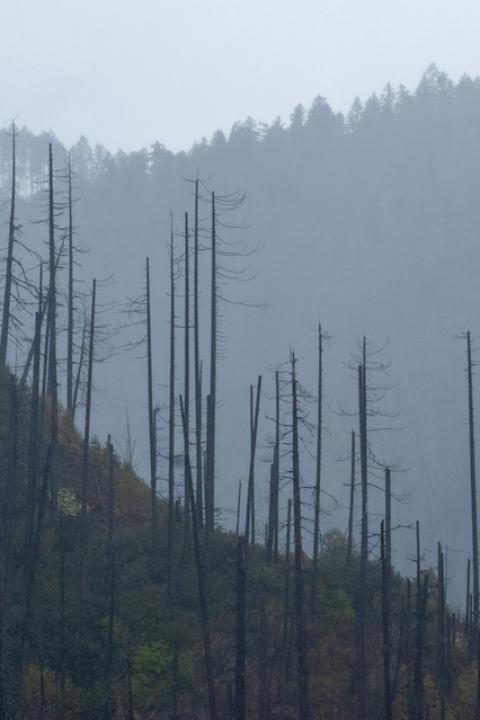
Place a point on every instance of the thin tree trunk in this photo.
(62, 608)
(212, 402)
(276, 462)
(6, 531)
(201, 576)
(318, 469)
(86, 449)
(388, 520)
(352, 501)
(76, 390)
(171, 426)
(387, 650)
(240, 645)
(250, 511)
(187, 373)
(272, 536)
(302, 659)
(473, 492)
(52, 363)
(362, 650)
(110, 705)
(269, 526)
(6, 316)
(70, 327)
(33, 448)
(467, 603)
(283, 676)
(441, 639)
(152, 435)
(418, 694)
(239, 503)
(197, 362)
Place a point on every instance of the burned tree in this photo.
(201, 576)
(152, 432)
(300, 619)
(171, 423)
(9, 271)
(250, 510)
(86, 446)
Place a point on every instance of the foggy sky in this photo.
(129, 72)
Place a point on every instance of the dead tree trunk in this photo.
(110, 703)
(78, 378)
(421, 596)
(467, 604)
(171, 425)
(240, 657)
(7, 295)
(387, 649)
(197, 363)
(362, 605)
(86, 449)
(152, 434)
(187, 371)
(276, 462)
(239, 504)
(272, 537)
(212, 397)
(200, 569)
(52, 315)
(441, 638)
(318, 469)
(7, 526)
(473, 492)
(283, 675)
(302, 659)
(33, 447)
(388, 519)
(70, 301)
(62, 613)
(250, 511)
(352, 501)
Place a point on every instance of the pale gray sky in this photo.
(129, 72)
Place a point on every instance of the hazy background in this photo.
(128, 73)
(368, 220)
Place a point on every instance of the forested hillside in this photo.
(377, 213)
(126, 639)
(272, 329)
